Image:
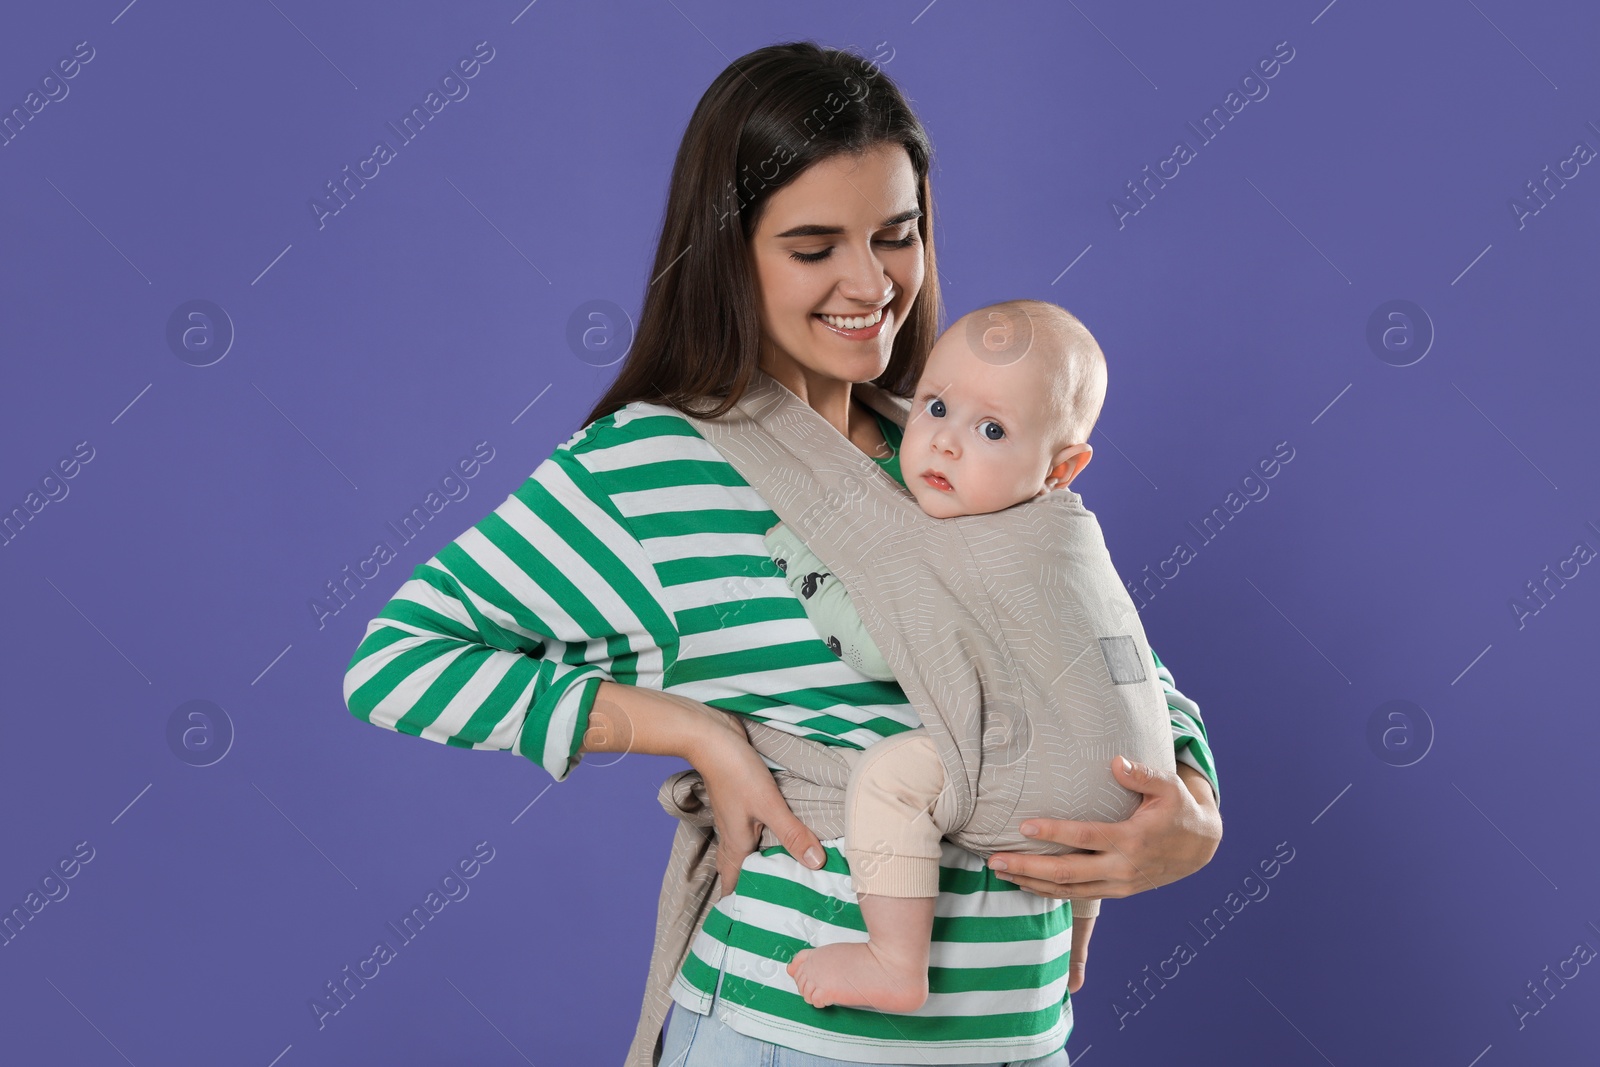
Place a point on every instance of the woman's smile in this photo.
(839, 249)
(883, 319)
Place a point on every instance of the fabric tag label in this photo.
(1122, 659)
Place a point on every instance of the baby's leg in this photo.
(892, 844)
(887, 973)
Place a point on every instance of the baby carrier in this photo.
(1030, 672)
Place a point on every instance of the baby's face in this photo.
(976, 440)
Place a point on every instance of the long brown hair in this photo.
(778, 109)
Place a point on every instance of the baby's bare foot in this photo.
(858, 975)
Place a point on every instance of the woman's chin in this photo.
(866, 361)
(859, 361)
(833, 368)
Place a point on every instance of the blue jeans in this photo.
(705, 1041)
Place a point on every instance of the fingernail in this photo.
(1126, 766)
(997, 864)
(1031, 829)
(814, 857)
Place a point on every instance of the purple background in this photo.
(433, 310)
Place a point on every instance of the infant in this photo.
(1001, 415)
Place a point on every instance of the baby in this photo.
(1001, 415)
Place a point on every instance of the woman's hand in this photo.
(744, 798)
(1173, 833)
(1082, 930)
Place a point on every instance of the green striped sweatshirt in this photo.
(635, 554)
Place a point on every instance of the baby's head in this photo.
(1003, 410)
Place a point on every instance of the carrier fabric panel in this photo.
(1007, 668)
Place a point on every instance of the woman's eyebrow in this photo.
(815, 230)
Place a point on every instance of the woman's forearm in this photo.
(631, 718)
(1198, 784)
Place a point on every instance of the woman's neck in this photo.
(828, 397)
(837, 402)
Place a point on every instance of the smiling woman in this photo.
(837, 278)
(856, 188)
(623, 600)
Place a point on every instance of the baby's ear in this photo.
(1070, 462)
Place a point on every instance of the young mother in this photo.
(621, 600)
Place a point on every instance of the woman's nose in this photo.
(865, 280)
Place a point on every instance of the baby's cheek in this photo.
(997, 489)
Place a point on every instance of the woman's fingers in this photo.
(798, 841)
(1082, 930)
(744, 798)
(1139, 776)
(1060, 880)
(796, 838)
(727, 877)
(1102, 860)
(1170, 835)
(1114, 871)
(733, 845)
(1108, 848)
(1078, 833)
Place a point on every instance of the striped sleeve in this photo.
(501, 639)
(1188, 729)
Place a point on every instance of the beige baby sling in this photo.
(1031, 668)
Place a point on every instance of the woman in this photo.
(621, 600)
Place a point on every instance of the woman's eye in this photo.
(813, 257)
(999, 433)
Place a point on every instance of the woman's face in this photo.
(839, 242)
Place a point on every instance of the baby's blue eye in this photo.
(997, 426)
(936, 403)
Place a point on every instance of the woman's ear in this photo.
(1069, 463)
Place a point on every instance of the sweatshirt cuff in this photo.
(553, 733)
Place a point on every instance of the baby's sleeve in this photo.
(827, 604)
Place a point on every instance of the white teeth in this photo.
(857, 323)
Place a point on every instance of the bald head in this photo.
(1048, 341)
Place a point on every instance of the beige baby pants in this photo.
(891, 839)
